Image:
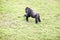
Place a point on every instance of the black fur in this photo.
(30, 13)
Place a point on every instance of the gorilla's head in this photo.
(28, 10)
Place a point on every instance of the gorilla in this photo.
(29, 13)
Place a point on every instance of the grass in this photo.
(13, 25)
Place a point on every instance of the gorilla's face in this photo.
(26, 10)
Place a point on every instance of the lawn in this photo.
(13, 25)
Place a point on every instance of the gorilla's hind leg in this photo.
(39, 19)
(36, 20)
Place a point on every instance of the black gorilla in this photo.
(30, 13)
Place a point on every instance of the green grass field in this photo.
(13, 25)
